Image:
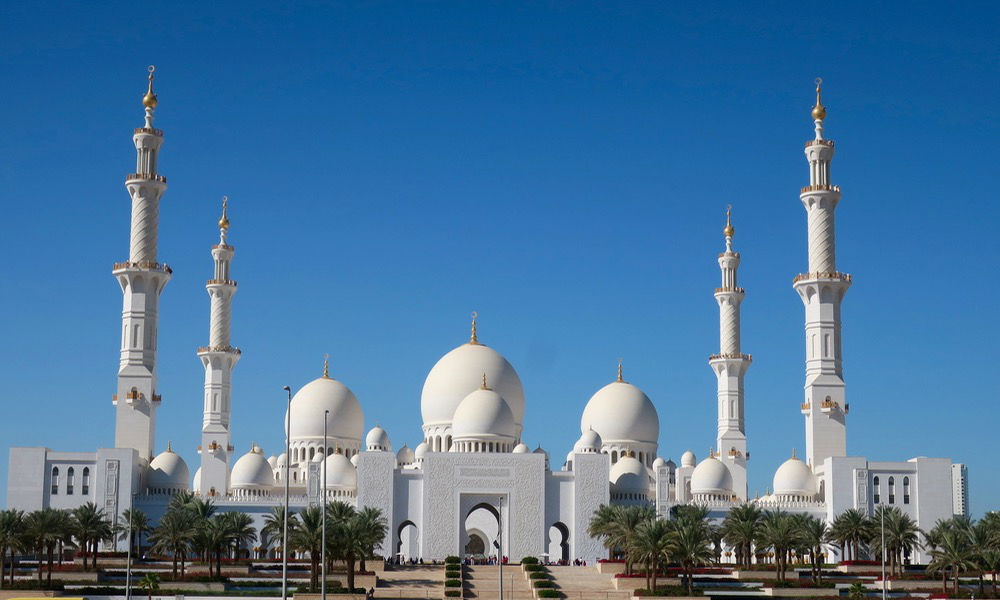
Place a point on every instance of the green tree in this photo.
(240, 530)
(44, 530)
(90, 525)
(150, 582)
(780, 533)
(813, 533)
(849, 530)
(691, 547)
(651, 545)
(140, 525)
(952, 554)
(174, 534)
(740, 530)
(11, 529)
(373, 527)
(274, 524)
(308, 537)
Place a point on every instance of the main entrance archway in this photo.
(480, 521)
(558, 542)
(407, 541)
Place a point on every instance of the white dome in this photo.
(340, 473)
(659, 462)
(483, 414)
(590, 441)
(418, 454)
(377, 439)
(712, 477)
(168, 471)
(273, 461)
(252, 472)
(196, 485)
(628, 476)
(405, 456)
(620, 412)
(354, 460)
(346, 418)
(459, 373)
(522, 448)
(688, 459)
(794, 478)
(282, 461)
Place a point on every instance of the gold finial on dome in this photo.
(326, 366)
(620, 371)
(473, 339)
(484, 382)
(224, 221)
(793, 452)
(729, 231)
(169, 449)
(819, 111)
(149, 100)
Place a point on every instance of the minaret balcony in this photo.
(731, 356)
(828, 143)
(231, 282)
(145, 265)
(835, 275)
(145, 177)
(226, 349)
(820, 188)
(829, 406)
(724, 290)
(806, 406)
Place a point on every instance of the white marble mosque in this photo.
(446, 496)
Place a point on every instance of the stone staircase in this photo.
(484, 582)
(411, 582)
(586, 583)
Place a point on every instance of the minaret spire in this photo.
(474, 339)
(730, 366)
(142, 279)
(822, 290)
(218, 359)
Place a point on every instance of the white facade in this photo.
(472, 478)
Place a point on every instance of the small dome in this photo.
(316, 457)
(354, 460)
(659, 462)
(346, 420)
(340, 473)
(688, 459)
(711, 476)
(377, 439)
(794, 478)
(405, 456)
(168, 471)
(540, 450)
(252, 472)
(196, 485)
(629, 476)
(589, 442)
(522, 448)
(282, 461)
(621, 412)
(418, 454)
(483, 414)
(569, 458)
(459, 373)
(273, 461)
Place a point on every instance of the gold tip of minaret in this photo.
(620, 371)
(484, 382)
(224, 221)
(326, 366)
(793, 453)
(473, 339)
(149, 100)
(169, 449)
(729, 231)
(819, 111)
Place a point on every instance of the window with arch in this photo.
(55, 481)
(69, 481)
(877, 496)
(312, 453)
(906, 490)
(85, 481)
(892, 490)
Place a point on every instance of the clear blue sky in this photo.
(562, 168)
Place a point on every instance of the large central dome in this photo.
(621, 412)
(459, 373)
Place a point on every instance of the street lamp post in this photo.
(500, 540)
(882, 526)
(128, 553)
(284, 534)
(326, 418)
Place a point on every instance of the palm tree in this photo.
(240, 530)
(691, 547)
(350, 544)
(43, 530)
(174, 534)
(308, 537)
(780, 533)
(151, 583)
(952, 554)
(981, 541)
(90, 526)
(373, 528)
(274, 524)
(601, 526)
(181, 500)
(850, 530)
(11, 527)
(211, 540)
(651, 544)
(813, 534)
(739, 530)
(140, 525)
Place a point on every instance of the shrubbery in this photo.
(549, 594)
(538, 575)
(452, 583)
(544, 583)
(533, 567)
(452, 593)
(452, 560)
(529, 560)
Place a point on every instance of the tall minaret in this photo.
(142, 280)
(218, 358)
(822, 289)
(730, 366)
